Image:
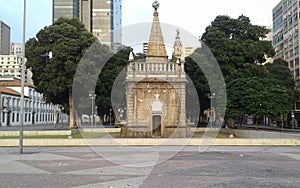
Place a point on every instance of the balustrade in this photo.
(154, 68)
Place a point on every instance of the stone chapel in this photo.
(156, 90)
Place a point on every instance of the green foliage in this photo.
(258, 96)
(68, 40)
(261, 90)
(235, 42)
(239, 49)
(112, 73)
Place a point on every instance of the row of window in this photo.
(8, 58)
(27, 117)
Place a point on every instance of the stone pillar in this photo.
(130, 104)
(182, 119)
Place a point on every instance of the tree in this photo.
(112, 77)
(261, 90)
(239, 49)
(204, 71)
(258, 96)
(68, 40)
(235, 42)
(279, 69)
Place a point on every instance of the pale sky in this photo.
(192, 15)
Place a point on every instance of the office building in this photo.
(269, 36)
(4, 39)
(16, 49)
(189, 50)
(65, 8)
(100, 17)
(10, 66)
(286, 36)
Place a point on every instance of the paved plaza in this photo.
(162, 166)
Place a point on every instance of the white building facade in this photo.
(10, 65)
(16, 49)
(36, 110)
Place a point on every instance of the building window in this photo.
(296, 61)
(291, 64)
(297, 72)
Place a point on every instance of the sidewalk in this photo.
(164, 166)
(269, 127)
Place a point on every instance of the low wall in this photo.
(259, 134)
(151, 142)
(100, 130)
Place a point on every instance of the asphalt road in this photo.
(162, 166)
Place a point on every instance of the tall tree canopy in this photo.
(112, 73)
(235, 42)
(68, 40)
(240, 50)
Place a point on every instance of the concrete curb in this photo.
(151, 142)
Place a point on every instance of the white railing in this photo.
(142, 68)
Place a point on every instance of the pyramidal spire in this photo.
(156, 46)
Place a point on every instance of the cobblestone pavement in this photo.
(164, 166)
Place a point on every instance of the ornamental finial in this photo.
(155, 5)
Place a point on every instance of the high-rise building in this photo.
(65, 8)
(286, 35)
(100, 17)
(4, 39)
(85, 13)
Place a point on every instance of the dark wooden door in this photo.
(156, 125)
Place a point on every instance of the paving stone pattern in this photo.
(81, 167)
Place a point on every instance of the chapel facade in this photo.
(156, 90)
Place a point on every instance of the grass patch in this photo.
(210, 134)
(77, 136)
(92, 135)
(35, 137)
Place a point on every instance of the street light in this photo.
(92, 97)
(211, 97)
(62, 117)
(22, 83)
(293, 119)
(110, 116)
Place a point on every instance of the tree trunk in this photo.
(256, 124)
(71, 107)
(77, 119)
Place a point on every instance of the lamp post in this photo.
(92, 97)
(22, 83)
(62, 117)
(293, 119)
(211, 97)
(96, 110)
(110, 116)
